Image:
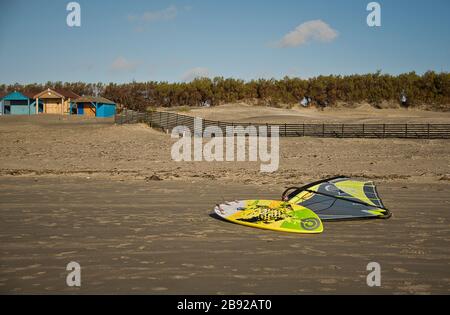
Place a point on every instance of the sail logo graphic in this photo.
(258, 139)
(332, 188)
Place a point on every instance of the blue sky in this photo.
(120, 41)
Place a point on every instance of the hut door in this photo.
(89, 110)
(53, 106)
(80, 109)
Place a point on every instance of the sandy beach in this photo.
(360, 113)
(238, 152)
(111, 198)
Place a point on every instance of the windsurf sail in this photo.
(339, 198)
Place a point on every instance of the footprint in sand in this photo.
(405, 271)
(328, 281)
(312, 251)
(145, 262)
(246, 293)
(334, 267)
(65, 253)
(188, 265)
(327, 290)
(317, 268)
(416, 289)
(122, 245)
(159, 289)
(55, 237)
(34, 266)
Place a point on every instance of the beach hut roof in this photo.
(28, 94)
(67, 93)
(16, 95)
(59, 92)
(93, 99)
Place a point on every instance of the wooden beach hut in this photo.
(55, 101)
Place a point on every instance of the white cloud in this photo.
(308, 31)
(193, 73)
(168, 13)
(120, 64)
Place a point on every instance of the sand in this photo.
(49, 146)
(362, 113)
(160, 237)
(110, 198)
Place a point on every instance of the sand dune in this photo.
(361, 114)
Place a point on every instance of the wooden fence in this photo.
(166, 121)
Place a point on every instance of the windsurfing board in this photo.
(271, 215)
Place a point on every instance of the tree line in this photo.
(430, 90)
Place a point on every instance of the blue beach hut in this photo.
(17, 103)
(94, 106)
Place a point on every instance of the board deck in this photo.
(271, 215)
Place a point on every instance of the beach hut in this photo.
(55, 101)
(17, 103)
(94, 106)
